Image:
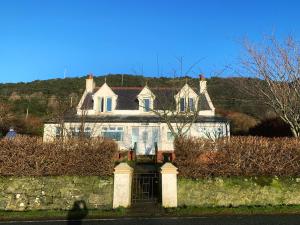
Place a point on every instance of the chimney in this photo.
(202, 83)
(89, 83)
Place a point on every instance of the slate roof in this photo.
(127, 98)
(71, 116)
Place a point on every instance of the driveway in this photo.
(210, 220)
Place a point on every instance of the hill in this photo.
(36, 97)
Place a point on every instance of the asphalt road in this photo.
(210, 220)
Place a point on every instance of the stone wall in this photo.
(239, 191)
(61, 192)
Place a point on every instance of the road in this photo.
(210, 220)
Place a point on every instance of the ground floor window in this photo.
(58, 132)
(170, 136)
(75, 132)
(114, 133)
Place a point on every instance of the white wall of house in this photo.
(144, 134)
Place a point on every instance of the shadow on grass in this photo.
(77, 213)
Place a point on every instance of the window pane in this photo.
(114, 135)
(191, 104)
(100, 104)
(88, 132)
(146, 105)
(182, 104)
(170, 136)
(108, 104)
(58, 132)
(145, 136)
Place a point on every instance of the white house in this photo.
(130, 115)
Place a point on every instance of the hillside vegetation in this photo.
(39, 98)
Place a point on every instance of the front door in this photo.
(145, 139)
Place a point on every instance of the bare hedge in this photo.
(238, 156)
(29, 156)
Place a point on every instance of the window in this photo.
(186, 104)
(146, 104)
(87, 132)
(220, 132)
(170, 136)
(182, 104)
(74, 131)
(145, 136)
(114, 133)
(100, 104)
(191, 104)
(108, 104)
(58, 132)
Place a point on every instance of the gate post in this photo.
(169, 185)
(122, 185)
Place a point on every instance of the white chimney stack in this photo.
(203, 87)
(89, 83)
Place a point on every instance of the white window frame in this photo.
(112, 129)
(111, 104)
(144, 104)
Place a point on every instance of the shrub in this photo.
(238, 156)
(271, 127)
(29, 156)
(240, 123)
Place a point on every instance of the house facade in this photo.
(142, 118)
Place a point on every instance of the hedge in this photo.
(30, 156)
(238, 156)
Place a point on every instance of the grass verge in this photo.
(241, 210)
(171, 212)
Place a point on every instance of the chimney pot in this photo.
(90, 76)
(201, 77)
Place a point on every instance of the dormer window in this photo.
(104, 104)
(186, 104)
(146, 104)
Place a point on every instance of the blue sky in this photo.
(44, 39)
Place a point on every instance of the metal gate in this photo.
(145, 187)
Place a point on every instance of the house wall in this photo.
(206, 130)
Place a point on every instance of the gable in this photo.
(186, 91)
(104, 90)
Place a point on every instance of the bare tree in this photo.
(276, 64)
(59, 107)
(178, 104)
(5, 115)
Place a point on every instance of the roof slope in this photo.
(127, 98)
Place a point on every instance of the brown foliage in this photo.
(240, 123)
(238, 156)
(29, 156)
